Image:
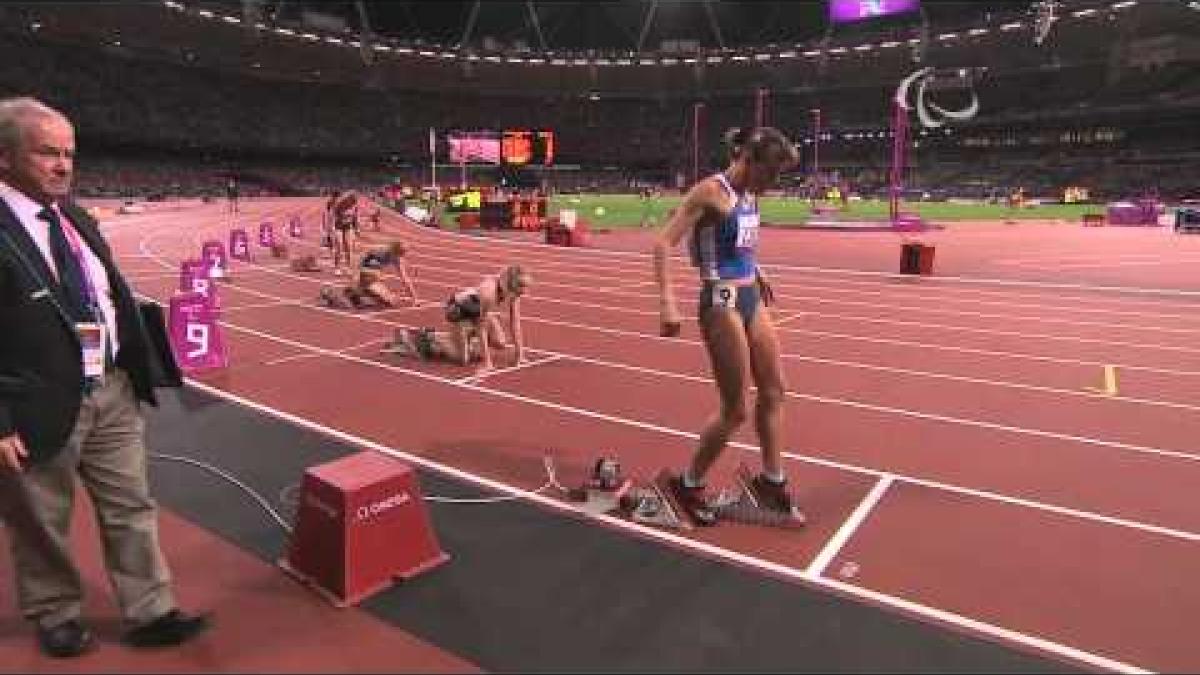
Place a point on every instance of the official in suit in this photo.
(74, 370)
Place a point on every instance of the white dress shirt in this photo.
(27, 212)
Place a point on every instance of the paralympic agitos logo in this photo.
(931, 114)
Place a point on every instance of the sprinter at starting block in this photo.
(475, 325)
(719, 217)
(369, 287)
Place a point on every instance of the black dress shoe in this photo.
(170, 629)
(65, 640)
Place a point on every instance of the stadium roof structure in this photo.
(595, 26)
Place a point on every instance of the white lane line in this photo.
(957, 489)
(479, 377)
(887, 410)
(594, 253)
(313, 355)
(608, 282)
(835, 544)
(966, 623)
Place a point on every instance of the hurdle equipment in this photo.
(747, 505)
(362, 524)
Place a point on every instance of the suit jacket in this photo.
(41, 370)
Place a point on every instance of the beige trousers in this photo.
(107, 453)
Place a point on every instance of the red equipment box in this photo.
(361, 523)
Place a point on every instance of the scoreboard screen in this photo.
(475, 146)
(845, 11)
(512, 147)
(519, 147)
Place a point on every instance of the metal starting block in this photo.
(742, 505)
(651, 505)
(607, 492)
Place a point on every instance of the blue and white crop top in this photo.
(726, 250)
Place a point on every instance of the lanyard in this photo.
(77, 250)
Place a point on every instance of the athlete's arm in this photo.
(696, 204)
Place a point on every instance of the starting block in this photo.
(744, 506)
(607, 492)
(362, 523)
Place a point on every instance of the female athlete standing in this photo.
(720, 215)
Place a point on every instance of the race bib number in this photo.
(724, 295)
(747, 232)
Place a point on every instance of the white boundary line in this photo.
(832, 547)
(479, 377)
(868, 319)
(605, 285)
(1036, 357)
(846, 402)
(584, 412)
(620, 284)
(1141, 290)
(893, 601)
(256, 305)
(961, 622)
(993, 426)
(1189, 536)
(313, 355)
(857, 591)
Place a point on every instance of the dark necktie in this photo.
(70, 270)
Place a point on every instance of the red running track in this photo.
(950, 441)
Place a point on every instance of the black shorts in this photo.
(716, 295)
(468, 310)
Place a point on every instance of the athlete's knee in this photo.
(733, 414)
(770, 397)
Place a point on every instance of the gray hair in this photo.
(15, 112)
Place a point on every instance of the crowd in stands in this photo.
(153, 127)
